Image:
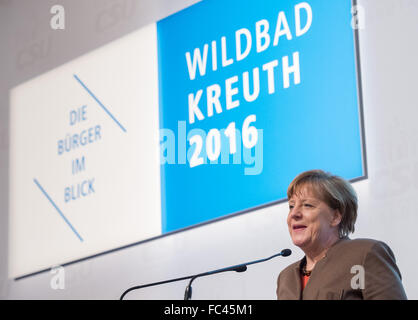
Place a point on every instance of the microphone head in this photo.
(241, 268)
(286, 252)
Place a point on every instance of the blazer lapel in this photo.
(297, 280)
(318, 273)
(294, 289)
(312, 287)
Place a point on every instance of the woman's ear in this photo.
(336, 218)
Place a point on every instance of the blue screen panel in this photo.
(253, 93)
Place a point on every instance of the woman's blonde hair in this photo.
(336, 192)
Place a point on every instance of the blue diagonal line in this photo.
(59, 211)
(98, 101)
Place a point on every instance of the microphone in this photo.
(238, 268)
(286, 252)
(241, 269)
(188, 293)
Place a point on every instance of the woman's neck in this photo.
(314, 254)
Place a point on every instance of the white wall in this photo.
(387, 212)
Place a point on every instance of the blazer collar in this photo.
(302, 262)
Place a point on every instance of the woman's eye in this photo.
(307, 205)
(290, 207)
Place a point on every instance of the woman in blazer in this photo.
(322, 212)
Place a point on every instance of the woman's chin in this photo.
(299, 241)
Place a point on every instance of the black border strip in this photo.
(364, 177)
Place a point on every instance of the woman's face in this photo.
(311, 222)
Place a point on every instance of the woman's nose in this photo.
(296, 212)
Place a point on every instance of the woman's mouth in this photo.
(298, 227)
